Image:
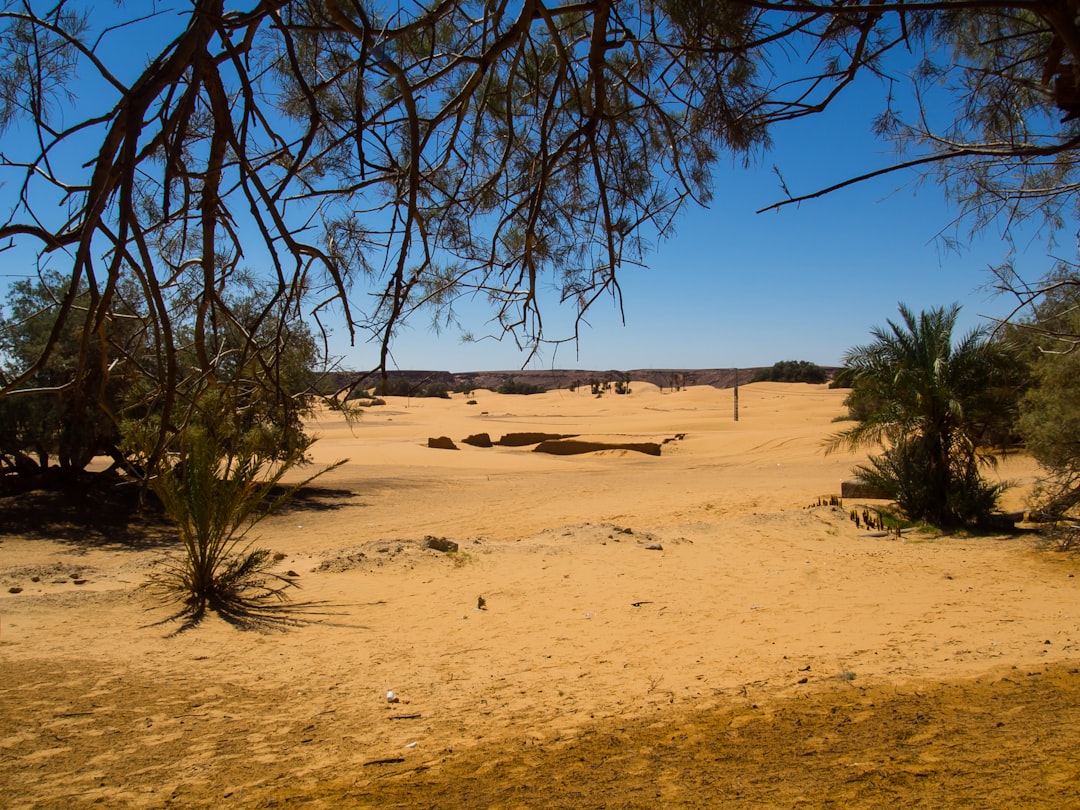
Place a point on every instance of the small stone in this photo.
(278, 556)
(654, 547)
(14, 589)
(440, 544)
(291, 573)
(80, 581)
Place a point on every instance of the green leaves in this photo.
(359, 150)
(1049, 417)
(215, 490)
(932, 405)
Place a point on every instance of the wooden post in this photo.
(736, 395)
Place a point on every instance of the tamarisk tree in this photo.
(371, 160)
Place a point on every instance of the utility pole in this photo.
(736, 395)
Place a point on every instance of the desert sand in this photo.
(615, 630)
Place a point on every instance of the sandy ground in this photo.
(689, 630)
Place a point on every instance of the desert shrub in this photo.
(403, 387)
(901, 472)
(363, 399)
(931, 405)
(1049, 418)
(394, 387)
(215, 491)
(843, 378)
(56, 430)
(678, 381)
(437, 390)
(52, 430)
(1064, 534)
(512, 386)
(792, 371)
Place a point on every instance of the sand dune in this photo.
(623, 595)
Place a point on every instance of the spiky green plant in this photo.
(215, 492)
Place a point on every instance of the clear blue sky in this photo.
(736, 288)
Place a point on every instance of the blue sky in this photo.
(736, 288)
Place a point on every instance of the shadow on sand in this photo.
(269, 612)
(98, 511)
(107, 512)
(314, 499)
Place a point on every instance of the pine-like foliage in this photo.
(215, 492)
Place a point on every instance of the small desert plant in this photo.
(1066, 535)
(215, 491)
(460, 558)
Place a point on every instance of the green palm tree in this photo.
(932, 405)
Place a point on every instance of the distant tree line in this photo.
(512, 386)
(404, 387)
(400, 386)
(792, 371)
